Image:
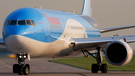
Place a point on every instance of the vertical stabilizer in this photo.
(87, 8)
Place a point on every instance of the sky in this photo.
(108, 13)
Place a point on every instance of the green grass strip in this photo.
(84, 63)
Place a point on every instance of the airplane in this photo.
(34, 32)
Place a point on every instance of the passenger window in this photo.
(29, 22)
(21, 22)
(13, 22)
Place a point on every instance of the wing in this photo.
(116, 28)
(2, 42)
(92, 43)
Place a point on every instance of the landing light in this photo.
(24, 56)
(20, 56)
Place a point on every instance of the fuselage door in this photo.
(46, 27)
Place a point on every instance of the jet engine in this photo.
(118, 53)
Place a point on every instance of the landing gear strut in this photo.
(97, 67)
(21, 68)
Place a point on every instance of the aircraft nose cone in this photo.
(14, 43)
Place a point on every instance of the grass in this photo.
(84, 63)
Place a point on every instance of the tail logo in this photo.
(91, 1)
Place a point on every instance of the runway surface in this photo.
(42, 67)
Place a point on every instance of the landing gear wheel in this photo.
(104, 68)
(95, 68)
(26, 69)
(15, 68)
(20, 71)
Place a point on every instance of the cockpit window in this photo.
(20, 22)
(12, 22)
(6, 23)
(33, 22)
(28, 22)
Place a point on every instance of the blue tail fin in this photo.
(87, 8)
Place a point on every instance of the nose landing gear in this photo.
(21, 68)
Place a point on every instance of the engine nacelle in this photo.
(118, 53)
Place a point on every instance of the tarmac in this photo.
(43, 67)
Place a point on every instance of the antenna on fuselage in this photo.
(40, 6)
(74, 11)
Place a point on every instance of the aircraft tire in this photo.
(15, 68)
(104, 68)
(26, 69)
(20, 71)
(94, 68)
